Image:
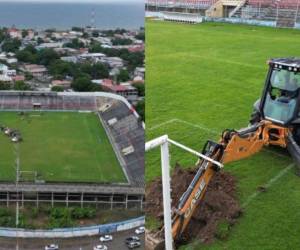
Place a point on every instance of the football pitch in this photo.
(58, 147)
(202, 79)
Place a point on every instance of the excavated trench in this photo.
(220, 205)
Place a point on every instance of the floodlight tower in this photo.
(17, 153)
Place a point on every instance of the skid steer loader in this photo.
(274, 121)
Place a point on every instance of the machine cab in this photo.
(280, 101)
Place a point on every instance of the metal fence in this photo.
(73, 232)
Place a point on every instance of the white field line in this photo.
(268, 184)
(162, 124)
(201, 127)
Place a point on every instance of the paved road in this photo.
(82, 243)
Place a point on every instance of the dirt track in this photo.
(219, 205)
(83, 243)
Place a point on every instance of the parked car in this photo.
(51, 247)
(132, 239)
(106, 238)
(134, 244)
(100, 247)
(140, 230)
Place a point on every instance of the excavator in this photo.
(275, 121)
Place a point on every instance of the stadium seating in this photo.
(283, 12)
(25, 101)
(126, 132)
(274, 3)
(182, 3)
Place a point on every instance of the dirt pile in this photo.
(220, 204)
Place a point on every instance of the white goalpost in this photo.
(163, 143)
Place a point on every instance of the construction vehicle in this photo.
(275, 121)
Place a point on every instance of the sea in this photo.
(102, 15)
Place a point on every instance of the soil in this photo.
(220, 204)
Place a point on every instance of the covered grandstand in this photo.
(126, 134)
(279, 13)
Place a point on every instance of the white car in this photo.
(100, 247)
(106, 238)
(51, 247)
(140, 230)
(134, 244)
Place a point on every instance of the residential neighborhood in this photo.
(79, 59)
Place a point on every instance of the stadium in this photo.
(213, 72)
(76, 148)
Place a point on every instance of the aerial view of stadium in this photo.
(205, 81)
(96, 139)
(80, 129)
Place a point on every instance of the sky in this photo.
(71, 1)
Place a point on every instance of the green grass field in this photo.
(204, 78)
(62, 147)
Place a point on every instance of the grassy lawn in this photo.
(204, 78)
(67, 147)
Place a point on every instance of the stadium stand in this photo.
(127, 132)
(280, 13)
(284, 12)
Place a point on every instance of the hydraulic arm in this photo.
(234, 145)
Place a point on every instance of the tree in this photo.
(95, 71)
(140, 88)
(123, 76)
(85, 35)
(31, 49)
(95, 34)
(63, 69)
(75, 44)
(121, 41)
(140, 108)
(4, 86)
(140, 36)
(28, 76)
(96, 47)
(21, 85)
(134, 59)
(57, 89)
(24, 33)
(82, 84)
(11, 45)
(39, 40)
(26, 56)
(2, 35)
(77, 29)
(46, 56)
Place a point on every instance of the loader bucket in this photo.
(153, 241)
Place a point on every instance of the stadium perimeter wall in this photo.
(235, 20)
(242, 21)
(73, 232)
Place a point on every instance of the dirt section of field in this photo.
(220, 203)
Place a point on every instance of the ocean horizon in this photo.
(36, 15)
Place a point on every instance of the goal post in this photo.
(163, 142)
